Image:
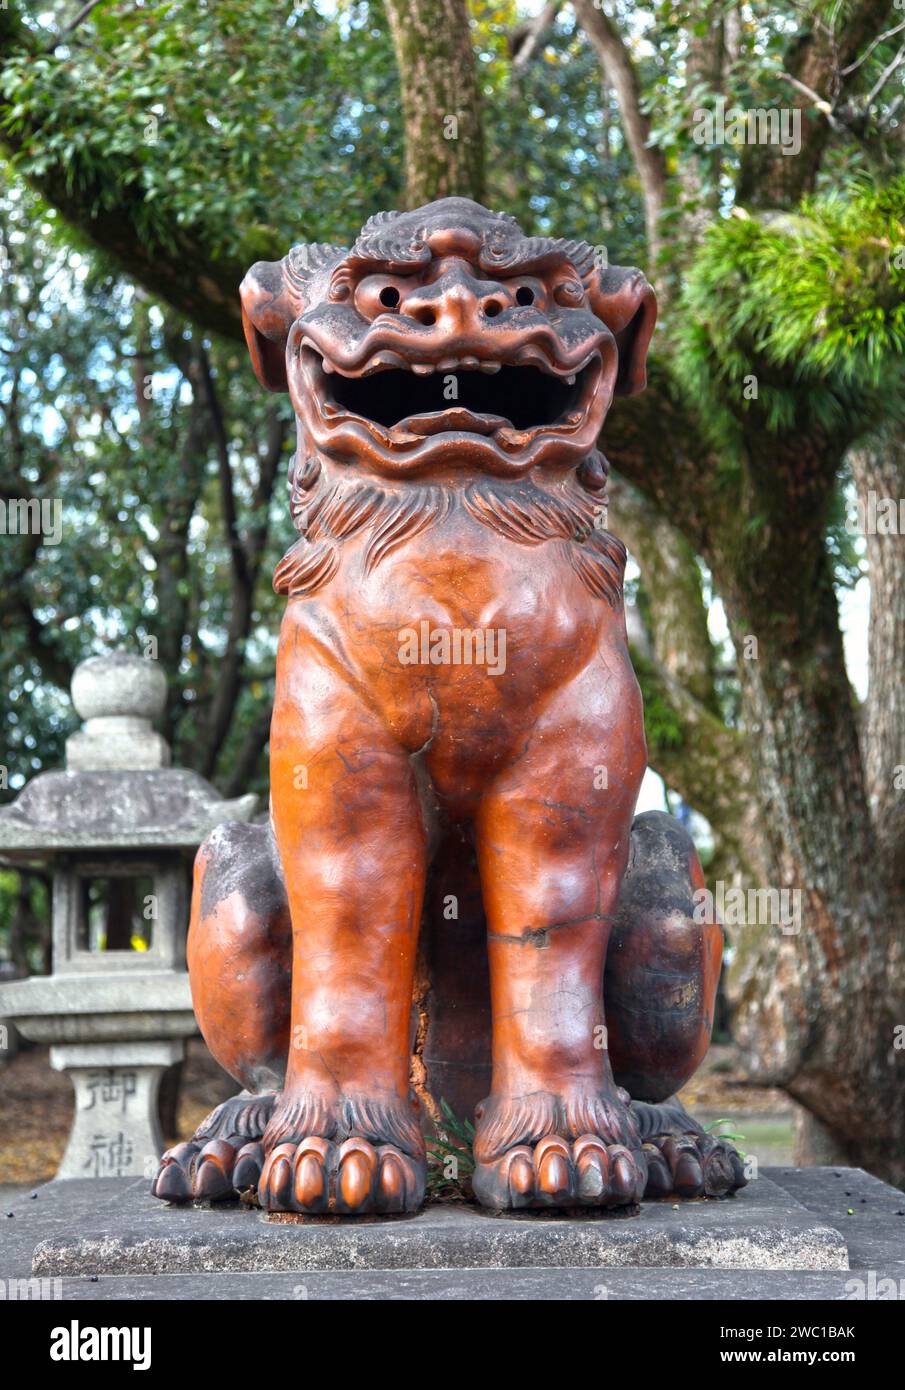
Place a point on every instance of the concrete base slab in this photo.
(790, 1235)
(553, 1284)
(763, 1228)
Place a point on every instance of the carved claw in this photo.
(223, 1159)
(175, 1176)
(217, 1171)
(354, 1178)
(249, 1162)
(214, 1171)
(692, 1165)
(556, 1172)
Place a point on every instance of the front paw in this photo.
(557, 1172)
(353, 1178)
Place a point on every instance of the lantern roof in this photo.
(118, 790)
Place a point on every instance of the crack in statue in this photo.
(451, 378)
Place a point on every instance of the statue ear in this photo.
(269, 309)
(625, 302)
(274, 294)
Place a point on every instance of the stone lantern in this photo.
(119, 829)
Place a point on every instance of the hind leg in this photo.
(683, 1160)
(239, 954)
(662, 972)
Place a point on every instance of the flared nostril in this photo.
(425, 316)
(492, 307)
(524, 295)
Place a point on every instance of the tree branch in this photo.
(880, 469)
(43, 638)
(72, 25)
(874, 43)
(884, 77)
(652, 440)
(675, 615)
(621, 75)
(248, 759)
(245, 560)
(526, 39)
(708, 764)
(178, 268)
(817, 60)
(237, 555)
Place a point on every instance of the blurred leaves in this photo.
(811, 304)
(96, 406)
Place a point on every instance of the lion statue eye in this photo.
(378, 294)
(569, 294)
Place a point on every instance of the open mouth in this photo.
(501, 415)
(405, 401)
(479, 400)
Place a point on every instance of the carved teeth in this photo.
(422, 368)
(490, 367)
(570, 380)
(384, 359)
(532, 357)
(512, 436)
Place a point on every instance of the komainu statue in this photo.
(456, 721)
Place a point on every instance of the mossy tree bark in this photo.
(689, 743)
(444, 143)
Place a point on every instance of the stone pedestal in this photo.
(791, 1234)
(115, 1133)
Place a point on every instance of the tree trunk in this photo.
(815, 70)
(621, 76)
(689, 744)
(444, 144)
(880, 470)
(818, 1004)
(820, 997)
(822, 1007)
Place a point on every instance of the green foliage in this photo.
(846, 549)
(184, 110)
(24, 919)
(251, 124)
(237, 129)
(811, 305)
(96, 413)
(731, 1135)
(557, 158)
(450, 1161)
